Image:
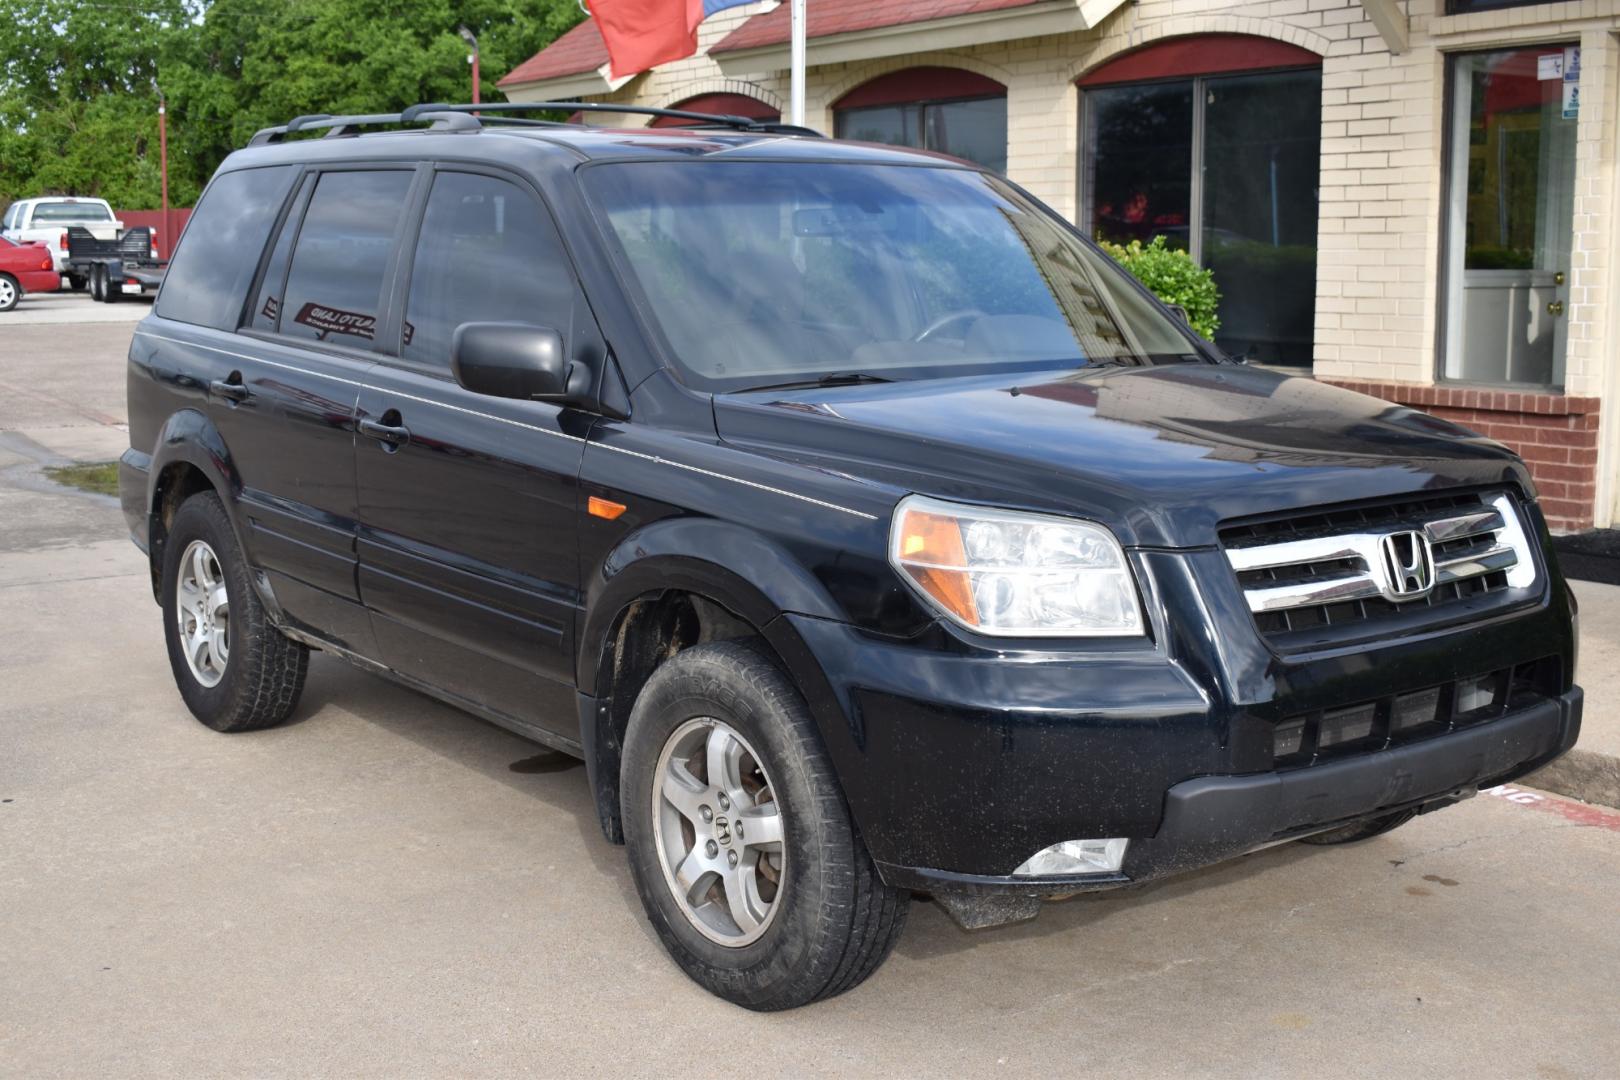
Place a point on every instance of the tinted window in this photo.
(220, 248)
(342, 251)
(266, 311)
(488, 253)
(975, 129)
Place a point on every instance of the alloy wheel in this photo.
(718, 830)
(203, 610)
(8, 293)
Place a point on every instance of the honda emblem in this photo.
(1408, 565)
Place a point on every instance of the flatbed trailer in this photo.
(127, 266)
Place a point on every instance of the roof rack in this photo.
(338, 127)
(703, 120)
(474, 117)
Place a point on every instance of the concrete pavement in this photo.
(385, 887)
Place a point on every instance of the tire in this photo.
(98, 282)
(247, 675)
(1361, 830)
(830, 920)
(111, 284)
(10, 292)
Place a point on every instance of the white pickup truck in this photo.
(46, 220)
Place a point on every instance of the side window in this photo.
(266, 311)
(342, 251)
(220, 250)
(488, 252)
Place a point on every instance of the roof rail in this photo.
(740, 123)
(467, 118)
(338, 127)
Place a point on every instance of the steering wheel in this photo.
(943, 321)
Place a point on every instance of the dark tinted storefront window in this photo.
(1225, 167)
(220, 249)
(342, 250)
(1140, 149)
(975, 129)
(1262, 141)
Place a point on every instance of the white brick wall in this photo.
(1378, 303)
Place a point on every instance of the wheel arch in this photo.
(656, 595)
(191, 457)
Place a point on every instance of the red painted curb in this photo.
(1577, 812)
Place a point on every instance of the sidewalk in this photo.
(1591, 771)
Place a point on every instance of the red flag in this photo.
(641, 34)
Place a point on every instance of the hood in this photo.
(1162, 455)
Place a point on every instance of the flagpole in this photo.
(796, 106)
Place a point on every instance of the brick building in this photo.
(1412, 199)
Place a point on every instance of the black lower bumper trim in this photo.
(1212, 818)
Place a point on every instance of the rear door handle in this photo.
(231, 389)
(391, 434)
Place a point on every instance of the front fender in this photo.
(731, 565)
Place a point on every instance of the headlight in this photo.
(1015, 575)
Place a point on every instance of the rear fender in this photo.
(189, 438)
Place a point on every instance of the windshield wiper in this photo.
(835, 378)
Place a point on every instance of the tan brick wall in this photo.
(1377, 305)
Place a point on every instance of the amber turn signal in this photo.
(605, 508)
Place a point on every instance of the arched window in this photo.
(1213, 142)
(932, 108)
(723, 104)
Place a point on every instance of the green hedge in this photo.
(1173, 277)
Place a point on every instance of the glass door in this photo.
(1510, 216)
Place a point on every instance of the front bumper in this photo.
(960, 759)
(1213, 818)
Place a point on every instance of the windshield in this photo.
(764, 274)
(83, 211)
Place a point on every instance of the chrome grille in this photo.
(1350, 566)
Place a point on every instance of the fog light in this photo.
(1076, 857)
(1342, 726)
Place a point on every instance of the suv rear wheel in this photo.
(235, 670)
(740, 843)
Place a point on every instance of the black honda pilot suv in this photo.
(864, 528)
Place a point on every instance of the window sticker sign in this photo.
(1571, 61)
(1550, 67)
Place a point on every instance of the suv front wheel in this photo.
(235, 670)
(741, 846)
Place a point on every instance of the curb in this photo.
(1580, 774)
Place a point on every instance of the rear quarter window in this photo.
(219, 251)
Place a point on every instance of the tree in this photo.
(79, 82)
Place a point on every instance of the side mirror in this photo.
(509, 360)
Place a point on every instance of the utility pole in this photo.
(163, 168)
(472, 43)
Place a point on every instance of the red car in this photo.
(24, 268)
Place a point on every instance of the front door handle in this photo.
(230, 388)
(393, 435)
(1555, 308)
